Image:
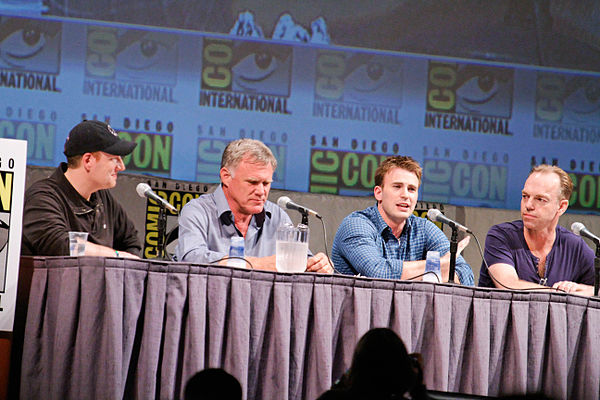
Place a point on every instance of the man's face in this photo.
(247, 186)
(397, 197)
(104, 169)
(541, 203)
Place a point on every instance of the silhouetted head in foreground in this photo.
(381, 366)
(213, 384)
(381, 369)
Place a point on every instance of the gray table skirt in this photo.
(113, 328)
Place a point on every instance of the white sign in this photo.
(13, 160)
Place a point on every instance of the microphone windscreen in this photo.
(576, 227)
(283, 201)
(142, 188)
(433, 213)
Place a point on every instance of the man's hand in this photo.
(575, 288)
(98, 250)
(264, 263)
(125, 254)
(319, 263)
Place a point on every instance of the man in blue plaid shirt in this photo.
(387, 240)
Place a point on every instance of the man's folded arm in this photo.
(505, 276)
(363, 254)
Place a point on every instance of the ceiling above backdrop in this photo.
(551, 33)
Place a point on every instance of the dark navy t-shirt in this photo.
(570, 259)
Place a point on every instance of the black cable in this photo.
(425, 273)
(327, 245)
(232, 257)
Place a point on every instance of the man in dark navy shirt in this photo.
(536, 252)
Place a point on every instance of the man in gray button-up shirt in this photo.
(238, 207)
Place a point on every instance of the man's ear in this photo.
(377, 192)
(563, 205)
(87, 161)
(225, 176)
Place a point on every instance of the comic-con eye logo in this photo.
(131, 55)
(567, 99)
(469, 89)
(360, 78)
(30, 45)
(249, 67)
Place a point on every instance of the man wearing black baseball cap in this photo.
(74, 198)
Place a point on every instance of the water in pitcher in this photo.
(291, 256)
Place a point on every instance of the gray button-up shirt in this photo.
(206, 226)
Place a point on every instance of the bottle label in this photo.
(236, 251)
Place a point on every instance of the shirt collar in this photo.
(382, 225)
(226, 215)
(76, 201)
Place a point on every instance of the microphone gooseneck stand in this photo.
(597, 270)
(304, 217)
(453, 251)
(162, 227)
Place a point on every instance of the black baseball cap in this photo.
(90, 136)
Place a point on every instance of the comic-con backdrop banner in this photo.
(330, 114)
(556, 33)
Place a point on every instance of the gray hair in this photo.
(256, 150)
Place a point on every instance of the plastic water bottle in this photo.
(236, 249)
(432, 267)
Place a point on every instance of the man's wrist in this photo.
(117, 253)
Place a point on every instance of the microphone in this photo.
(580, 230)
(144, 190)
(437, 216)
(286, 202)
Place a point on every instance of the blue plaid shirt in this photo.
(364, 244)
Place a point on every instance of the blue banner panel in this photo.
(329, 114)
